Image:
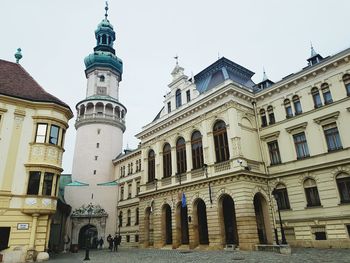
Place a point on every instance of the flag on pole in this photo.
(183, 200)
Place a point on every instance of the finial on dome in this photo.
(106, 8)
(264, 74)
(177, 60)
(313, 52)
(18, 55)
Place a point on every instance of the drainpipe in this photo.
(267, 174)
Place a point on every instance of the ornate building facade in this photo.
(32, 133)
(220, 147)
(100, 125)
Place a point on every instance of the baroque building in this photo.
(32, 133)
(221, 145)
(100, 125)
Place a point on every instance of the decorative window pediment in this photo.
(297, 128)
(327, 119)
(271, 136)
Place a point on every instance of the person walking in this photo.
(100, 242)
(110, 242)
(115, 243)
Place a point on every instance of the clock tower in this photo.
(100, 125)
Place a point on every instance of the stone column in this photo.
(48, 229)
(173, 162)
(188, 156)
(33, 231)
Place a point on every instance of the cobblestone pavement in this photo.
(175, 256)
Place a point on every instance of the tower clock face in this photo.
(101, 90)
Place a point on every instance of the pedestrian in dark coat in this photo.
(115, 243)
(110, 242)
(100, 242)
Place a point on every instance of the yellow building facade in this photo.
(224, 155)
(32, 129)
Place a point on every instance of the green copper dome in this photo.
(104, 53)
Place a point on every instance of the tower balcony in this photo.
(101, 111)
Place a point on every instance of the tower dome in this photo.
(104, 53)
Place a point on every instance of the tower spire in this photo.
(106, 8)
(313, 52)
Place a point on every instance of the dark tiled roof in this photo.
(15, 81)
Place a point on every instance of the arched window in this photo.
(128, 223)
(102, 78)
(151, 166)
(104, 39)
(316, 97)
(288, 107)
(178, 98)
(181, 156)
(297, 105)
(221, 143)
(263, 118)
(271, 115)
(282, 197)
(197, 150)
(343, 183)
(311, 193)
(346, 79)
(327, 96)
(167, 160)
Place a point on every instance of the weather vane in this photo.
(106, 8)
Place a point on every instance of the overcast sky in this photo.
(55, 37)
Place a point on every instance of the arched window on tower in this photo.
(271, 115)
(346, 79)
(263, 118)
(297, 105)
(316, 97)
(151, 166)
(167, 160)
(197, 150)
(104, 39)
(178, 98)
(181, 156)
(221, 143)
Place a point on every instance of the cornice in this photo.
(296, 128)
(328, 118)
(98, 120)
(270, 136)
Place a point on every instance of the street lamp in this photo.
(275, 195)
(87, 234)
(205, 168)
(120, 222)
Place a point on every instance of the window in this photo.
(316, 97)
(346, 79)
(4, 237)
(343, 183)
(169, 107)
(263, 118)
(139, 164)
(319, 232)
(288, 108)
(188, 96)
(40, 136)
(178, 98)
(181, 156)
(274, 152)
(129, 190)
(282, 197)
(167, 160)
(128, 168)
(311, 193)
(301, 145)
(348, 228)
(122, 171)
(131, 168)
(327, 96)
(96, 157)
(47, 186)
(120, 219)
(221, 143)
(136, 238)
(97, 145)
(297, 105)
(136, 216)
(197, 150)
(127, 238)
(332, 137)
(33, 183)
(151, 166)
(137, 188)
(94, 172)
(102, 78)
(121, 193)
(54, 132)
(129, 218)
(271, 115)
